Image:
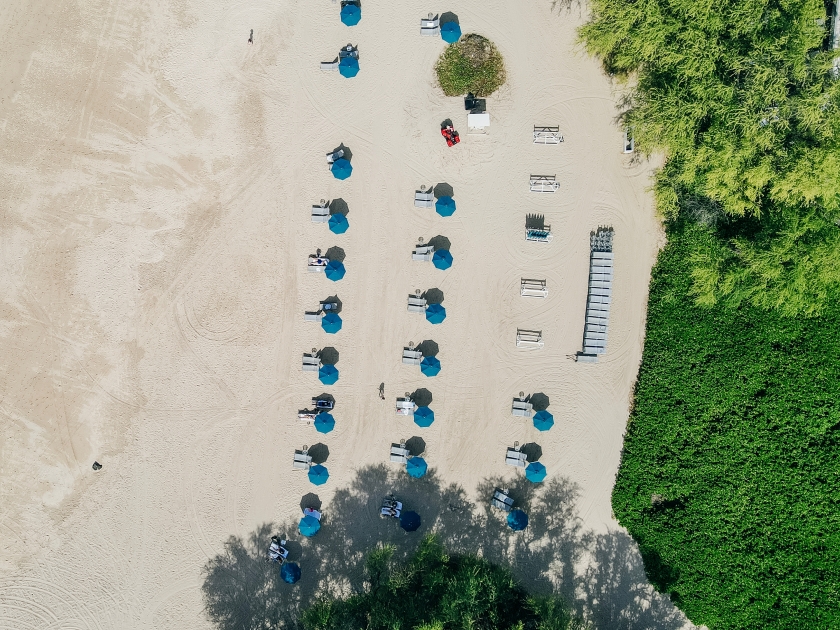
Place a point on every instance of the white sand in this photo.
(156, 177)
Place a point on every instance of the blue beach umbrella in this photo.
(543, 421)
(416, 467)
(309, 526)
(324, 422)
(535, 472)
(328, 374)
(331, 323)
(318, 475)
(423, 417)
(341, 168)
(450, 32)
(290, 572)
(348, 67)
(338, 224)
(335, 270)
(445, 206)
(517, 520)
(430, 366)
(435, 314)
(351, 14)
(442, 259)
(410, 521)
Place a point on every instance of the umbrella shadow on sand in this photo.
(241, 589)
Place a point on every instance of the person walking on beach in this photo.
(251, 38)
(382, 391)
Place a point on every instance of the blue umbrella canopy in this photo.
(445, 206)
(535, 472)
(309, 526)
(341, 168)
(410, 521)
(331, 323)
(423, 417)
(435, 314)
(543, 420)
(338, 224)
(290, 572)
(450, 32)
(416, 466)
(351, 14)
(335, 270)
(430, 366)
(328, 374)
(348, 67)
(517, 520)
(324, 422)
(442, 259)
(319, 475)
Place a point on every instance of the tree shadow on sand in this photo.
(241, 590)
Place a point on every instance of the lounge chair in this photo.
(416, 304)
(423, 253)
(478, 123)
(332, 156)
(529, 338)
(393, 512)
(391, 502)
(329, 65)
(544, 183)
(522, 408)
(430, 26)
(302, 461)
(501, 500)
(412, 357)
(313, 513)
(321, 212)
(348, 51)
(424, 199)
(547, 135)
(324, 404)
(516, 458)
(306, 416)
(312, 316)
(533, 288)
(399, 453)
(311, 363)
(629, 142)
(316, 263)
(276, 551)
(405, 407)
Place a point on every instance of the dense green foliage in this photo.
(741, 98)
(436, 591)
(731, 463)
(472, 64)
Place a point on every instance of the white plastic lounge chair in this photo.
(332, 156)
(311, 363)
(316, 263)
(423, 199)
(276, 551)
(423, 253)
(312, 316)
(529, 338)
(302, 461)
(501, 500)
(412, 357)
(430, 26)
(544, 134)
(629, 142)
(544, 183)
(516, 458)
(533, 288)
(521, 408)
(321, 212)
(313, 513)
(478, 123)
(399, 454)
(405, 407)
(329, 65)
(543, 235)
(393, 512)
(348, 51)
(416, 304)
(307, 417)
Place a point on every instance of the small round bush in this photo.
(472, 64)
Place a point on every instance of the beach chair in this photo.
(306, 416)
(544, 183)
(321, 212)
(399, 453)
(311, 363)
(430, 26)
(521, 408)
(391, 502)
(529, 338)
(405, 407)
(582, 357)
(412, 357)
(423, 199)
(348, 51)
(423, 253)
(501, 500)
(629, 142)
(302, 461)
(316, 263)
(540, 235)
(313, 513)
(329, 65)
(276, 551)
(516, 458)
(332, 156)
(416, 304)
(544, 134)
(478, 123)
(312, 316)
(533, 288)
(323, 404)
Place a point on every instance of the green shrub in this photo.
(472, 64)
(731, 461)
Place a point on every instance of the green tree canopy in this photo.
(742, 98)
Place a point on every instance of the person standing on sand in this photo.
(251, 38)
(382, 391)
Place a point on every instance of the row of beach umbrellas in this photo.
(351, 15)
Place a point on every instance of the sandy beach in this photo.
(158, 172)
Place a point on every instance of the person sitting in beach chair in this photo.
(391, 507)
(276, 551)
